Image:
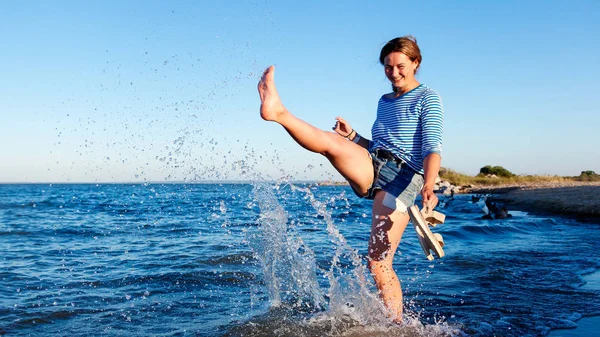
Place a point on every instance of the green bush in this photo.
(588, 176)
(495, 170)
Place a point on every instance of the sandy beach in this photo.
(578, 199)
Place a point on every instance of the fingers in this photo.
(342, 122)
(336, 126)
(340, 126)
(426, 204)
(431, 204)
(430, 200)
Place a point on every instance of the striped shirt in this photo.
(409, 126)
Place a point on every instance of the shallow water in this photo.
(274, 259)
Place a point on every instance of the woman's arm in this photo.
(362, 141)
(345, 130)
(431, 166)
(432, 120)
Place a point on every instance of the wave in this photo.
(286, 322)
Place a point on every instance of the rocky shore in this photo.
(565, 198)
(571, 198)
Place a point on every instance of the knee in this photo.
(360, 190)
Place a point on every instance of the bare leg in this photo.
(349, 159)
(386, 231)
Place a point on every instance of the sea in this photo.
(276, 258)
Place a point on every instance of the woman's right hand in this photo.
(342, 127)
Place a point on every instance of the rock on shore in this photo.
(446, 188)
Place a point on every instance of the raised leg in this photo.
(349, 159)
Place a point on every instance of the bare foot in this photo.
(270, 107)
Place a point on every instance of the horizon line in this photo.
(231, 181)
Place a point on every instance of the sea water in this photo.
(274, 259)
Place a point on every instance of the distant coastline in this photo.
(190, 182)
(577, 199)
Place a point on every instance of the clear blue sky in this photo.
(166, 90)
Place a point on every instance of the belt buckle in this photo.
(388, 155)
(384, 154)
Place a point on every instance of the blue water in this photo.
(274, 259)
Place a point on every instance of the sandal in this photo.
(428, 240)
(432, 217)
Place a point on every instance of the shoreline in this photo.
(573, 199)
(586, 325)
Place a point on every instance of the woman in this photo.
(402, 160)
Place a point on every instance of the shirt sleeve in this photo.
(432, 123)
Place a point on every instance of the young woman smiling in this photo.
(399, 163)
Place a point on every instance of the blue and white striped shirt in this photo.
(410, 126)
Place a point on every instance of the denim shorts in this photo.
(394, 176)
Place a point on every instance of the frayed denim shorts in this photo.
(395, 177)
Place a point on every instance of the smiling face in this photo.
(400, 70)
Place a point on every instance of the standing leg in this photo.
(387, 228)
(350, 160)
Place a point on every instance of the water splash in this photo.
(288, 264)
(347, 304)
(347, 290)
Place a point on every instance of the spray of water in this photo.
(288, 264)
(347, 290)
(348, 305)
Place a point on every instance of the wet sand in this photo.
(572, 199)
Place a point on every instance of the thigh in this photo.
(387, 227)
(352, 161)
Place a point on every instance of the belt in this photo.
(385, 154)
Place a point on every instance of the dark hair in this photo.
(407, 45)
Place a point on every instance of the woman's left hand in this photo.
(342, 127)
(429, 198)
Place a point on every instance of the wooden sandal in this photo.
(432, 217)
(428, 240)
